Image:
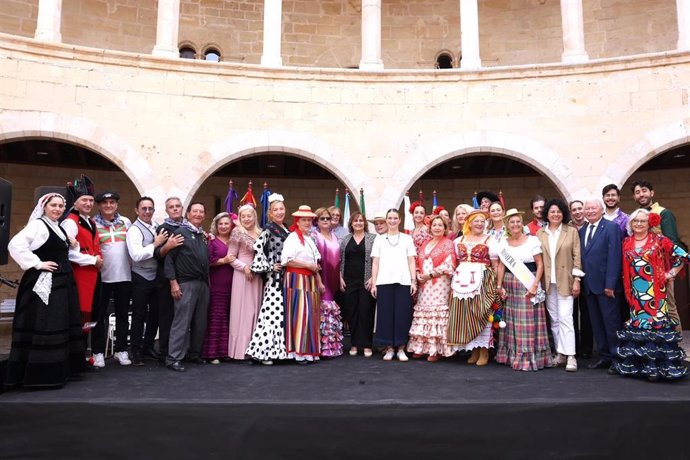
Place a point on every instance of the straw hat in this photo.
(304, 211)
(512, 212)
(475, 213)
(378, 216)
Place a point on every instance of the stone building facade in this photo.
(585, 92)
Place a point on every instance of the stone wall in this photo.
(327, 33)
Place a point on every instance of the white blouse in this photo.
(392, 252)
(294, 250)
(30, 238)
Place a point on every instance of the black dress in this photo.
(47, 340)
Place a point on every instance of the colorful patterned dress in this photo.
(473, 293)
(430, 317)
(331, 324)
(648, 342)
(524, 343)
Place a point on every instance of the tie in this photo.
(590, 232)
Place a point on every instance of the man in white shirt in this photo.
(142, 240)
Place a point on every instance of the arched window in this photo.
(444, 61)
(212, 54)
(187, 52)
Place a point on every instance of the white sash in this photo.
(521, 272)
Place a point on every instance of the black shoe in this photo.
(197, 360)
(176, 366)
(601, 364)
(152, 353)
(585, 355)
(136, 359)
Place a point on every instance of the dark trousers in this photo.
(166, 311)
(604, 312)
(121, 293)
(394, 315)
(584, 339)
(359, 308)
(144, 313)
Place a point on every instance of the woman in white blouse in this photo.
(394, 280)
(302, 288)
(47, 339)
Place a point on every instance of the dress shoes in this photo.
(136, 359)
(601, 364)
(176, 366)
(197, 360)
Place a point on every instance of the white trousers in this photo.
(561, 314)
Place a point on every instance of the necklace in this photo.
(641, 239)
(396, 241)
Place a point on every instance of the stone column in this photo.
(683, 16)
(48, 21)
(273, 30)
(469, 35)
(167, 29)
(573, 32)
(371, 36)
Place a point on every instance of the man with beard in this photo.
(186, 268)
(173, 207)
(643, 193)
(537, 207)
(611, 195)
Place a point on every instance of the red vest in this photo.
(86, 277)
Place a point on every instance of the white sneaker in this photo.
(402, 356)
(98, 360)
(122, 357)
(571, 366)
(389, 355)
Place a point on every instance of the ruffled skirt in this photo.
(651, 353)
(331, 326)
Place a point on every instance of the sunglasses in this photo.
(324, 218)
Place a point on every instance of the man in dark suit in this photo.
(600, 242)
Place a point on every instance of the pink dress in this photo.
(430, 318)
(246, 295)
(331, 324)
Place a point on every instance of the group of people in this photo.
(476, 280)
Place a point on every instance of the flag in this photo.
(346, 212)
(500, 198)
(362, 208)
(408, 224)
(248, 197)
(475, 204)
(230, 199)
(337, 198)
(264, 205)
(434, 203)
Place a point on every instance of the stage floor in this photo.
(349, 407)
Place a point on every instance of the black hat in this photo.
(107, 196)
(486, 194)
(80, 187)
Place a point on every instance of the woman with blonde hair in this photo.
(268, 340)
(215, 345)
(459, 215)
(473, 290)
(246, 286)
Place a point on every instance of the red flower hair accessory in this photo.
(654, 219)
(415, 204)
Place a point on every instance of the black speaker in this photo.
(43, 189)
(5, 213)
